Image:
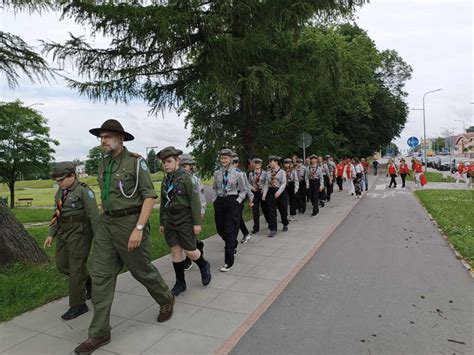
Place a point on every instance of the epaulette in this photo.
(135, 155)
(83, 184)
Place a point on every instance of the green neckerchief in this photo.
(106, 191)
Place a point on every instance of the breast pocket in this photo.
(125, 181)
(75, 203)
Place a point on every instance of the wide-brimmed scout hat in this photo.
(169, 152)
(235, 160)
(226, 151)
(257, 160)
(274, 157)
(299, 160)
(63, 169)
(112, 126)
(187, 159)
(313, 156)
(287, 160)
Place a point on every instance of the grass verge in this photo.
(453, 211)
(25, 287)
(435, 177)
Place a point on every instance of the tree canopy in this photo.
(24, 144)
(251, 75)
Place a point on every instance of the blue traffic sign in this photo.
(413, 142)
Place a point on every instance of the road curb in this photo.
(229, 344)
(445, 237)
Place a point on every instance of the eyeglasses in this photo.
(105, 137)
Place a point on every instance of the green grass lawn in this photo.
(435, 177)
(25, 287)
(453, 210)
(28, 215)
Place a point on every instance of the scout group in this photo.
(121, 234)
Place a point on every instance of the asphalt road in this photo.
(384, 283)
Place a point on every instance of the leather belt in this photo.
(72, 219)
(123, 213)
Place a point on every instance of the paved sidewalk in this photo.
(205, 317)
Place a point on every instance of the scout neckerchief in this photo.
(274, 179)
(169, 189)
(59, 206)
(108, 177)
(312, 171)
(257, 177)
(225, 180)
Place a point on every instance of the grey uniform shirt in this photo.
(292, 176)
(235, 184)
(303, 174)
(325, 169)
(315, 172)
(247, 184)
(258, 179)
(275, 179)
(202, 197)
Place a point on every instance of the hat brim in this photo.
(177, 153)
(97, 131)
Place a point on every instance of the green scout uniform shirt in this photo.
(80, 201)
(180, 200)
(124, 173)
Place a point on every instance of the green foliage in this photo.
(452, 210)
(93, 159)
(24, 143)
(470, 129)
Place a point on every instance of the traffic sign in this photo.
(413, 142)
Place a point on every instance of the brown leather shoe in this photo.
(92, 344)
(166, 311)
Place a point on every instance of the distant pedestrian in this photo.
(418, 171)
(339, 173)
(375, 165)
(392, 171)
(359, 178)
(366, 166)
(348, 176)
(404, 171)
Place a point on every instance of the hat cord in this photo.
(136, 183)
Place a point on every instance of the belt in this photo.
(72, 219)
(123, 213)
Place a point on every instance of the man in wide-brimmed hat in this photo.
(123, 236)
(73, 225)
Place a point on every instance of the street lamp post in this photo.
(424, 124)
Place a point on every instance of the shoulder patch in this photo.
(91, 194)
(143, 165)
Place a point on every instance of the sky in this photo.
(434, 36)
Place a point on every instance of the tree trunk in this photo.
(15, 243)
(11, 186)
(249, 120)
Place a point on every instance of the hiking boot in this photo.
(88, 288)
(179, 286)
(245, 238)
(206, 274)
(272, 234)
(166, 311)
(188, 264)
(91, 344)
(75, 312)
(285, 229)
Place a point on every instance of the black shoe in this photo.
(321, 204)
(272, 234)
(206, 274)
(88, 288)
(75, 312)
(188, 264)
(285, 229)
(254, 231)
(235, 251)
(179, 286)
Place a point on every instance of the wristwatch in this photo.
(140, 227)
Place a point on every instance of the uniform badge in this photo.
(143, 165)
(91, 194)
